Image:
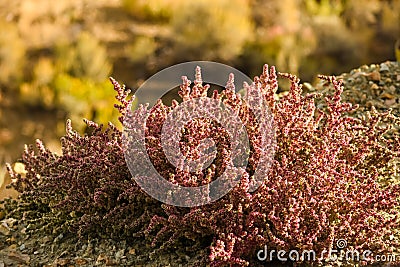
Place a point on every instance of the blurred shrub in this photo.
(390, 14)
(211, 30)
(359, 32)
(283, 36)
(12, 53)
(142, 48)
(357, 17)
(299, 36)
(46, 22)
(323, 7)
(85, 58)
(84, 98)
(375, 26)
(155, 10)
(39, 92)
(75, 80)
(321, 36)
(337, 47)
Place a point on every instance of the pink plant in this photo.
(326, 181)
(323, 184)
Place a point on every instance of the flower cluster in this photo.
(325, 182)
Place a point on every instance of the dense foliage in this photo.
(324, 184)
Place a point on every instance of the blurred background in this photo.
(56, 56)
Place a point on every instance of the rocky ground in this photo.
(377, 85)
(17, 248)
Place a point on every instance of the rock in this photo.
(12, 247)
(80, 261)
(390, 102)
(10, 222)
(62, 262)
(4, 230)
(20, 168)
(374, 86)
(110, 262)
(132, 251)
(119, 254)
(46, 239)
(101, 259)
(384, 67)
(374, 76)
(58, 238)
(11, 257)
(18, 257)
(386, 96)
